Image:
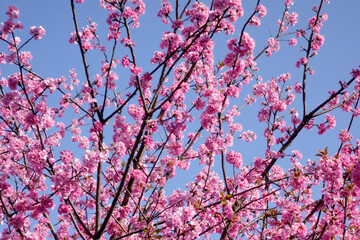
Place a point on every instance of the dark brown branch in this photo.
(78, 218)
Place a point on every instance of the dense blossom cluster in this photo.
(96, 164)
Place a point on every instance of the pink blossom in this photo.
(177, 24)
(234, 158)
(31, 119)
(355, 175)
(355, 73)
(165, 10)
(158, 57)
(38, 32)
(127, 42)
(136, 112)
(125, 61)
(248, 136)
(13, 80)
(199, 104)
(315, 24)
(2, 58)
(220, 4)
(215, 144)
(292, 41)
(289, 2)
(318, 41)
(8, 26)
(324, 17)
(330, 120)
(356, 112)
(274, 46)
(292, 18)
(8, 98)
(298, 87)
(247, 44)
(296, 156)
(263, 115)
(149, 142)
(13, 12)
(261, 10)
(284, 77)
(255, 21)
(233, 91)
(146, 80)
(322, 128)
(135, 70)
(300, 32)
(302, 61)
(17, 221)
(235, 127)
(198, 13)
(170, 41)
(175, 148)
(344, 136)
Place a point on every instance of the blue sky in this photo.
(54, 56)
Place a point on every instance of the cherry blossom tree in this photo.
(90, 155)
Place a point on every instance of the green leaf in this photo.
(222, 195)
